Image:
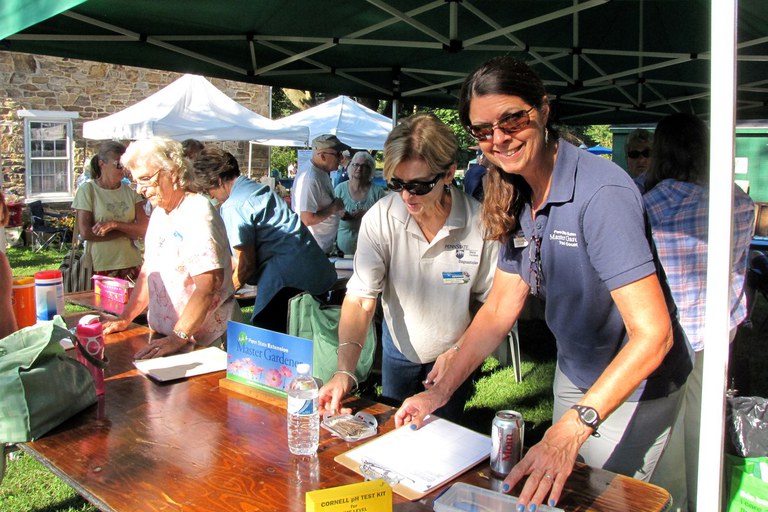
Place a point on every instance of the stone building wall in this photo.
(93, 90)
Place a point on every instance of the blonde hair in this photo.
(163, 154)
(420, 137)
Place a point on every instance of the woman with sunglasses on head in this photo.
(358, 194)
(422, 249)
(186, 278)
(572, 232)
(110, 215)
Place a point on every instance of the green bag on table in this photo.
(40, 386)
(747, 479)
(311, 319)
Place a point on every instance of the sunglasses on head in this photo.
(637, 154)
(417, 188)
(509, 124)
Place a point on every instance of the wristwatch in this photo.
(183, 336)
(589, 417)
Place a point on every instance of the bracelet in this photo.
(351, 376)
(348, 343)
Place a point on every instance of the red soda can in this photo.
(507, 432)
(90, 333)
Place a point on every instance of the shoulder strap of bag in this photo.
(98, 363)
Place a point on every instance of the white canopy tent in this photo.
(354, 124)
(192, 107)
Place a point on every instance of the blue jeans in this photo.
(401, 378)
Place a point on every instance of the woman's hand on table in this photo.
(416, 408)
(331, 394)
(116, 325)
(548, 464)
(165, 346)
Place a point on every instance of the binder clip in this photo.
(373, 471)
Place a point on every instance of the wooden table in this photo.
(191, 445)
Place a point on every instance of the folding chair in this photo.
(44, 234)
(509, 353)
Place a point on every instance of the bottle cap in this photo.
(89, 319)
(302, 369)
(48, 274)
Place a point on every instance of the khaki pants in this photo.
(632, 439)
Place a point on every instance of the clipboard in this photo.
(416, 462)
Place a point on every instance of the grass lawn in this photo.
(28, 486)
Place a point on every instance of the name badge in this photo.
(519, 241)
(455, 277)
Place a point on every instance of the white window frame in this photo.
(49, 116)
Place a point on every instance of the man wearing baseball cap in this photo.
(312, 194)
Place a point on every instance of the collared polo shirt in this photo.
(592, 239)
(286, 254)
(313, 191)
(429, 289)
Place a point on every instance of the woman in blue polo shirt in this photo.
(573, 233)
(272, 248)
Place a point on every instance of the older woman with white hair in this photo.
(358, 194)
(186, 278)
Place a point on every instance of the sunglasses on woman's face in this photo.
(509, 124)
(417, 188)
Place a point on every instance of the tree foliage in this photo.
(450, 116)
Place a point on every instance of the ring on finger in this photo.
(548, 476)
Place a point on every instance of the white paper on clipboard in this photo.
(426, 458)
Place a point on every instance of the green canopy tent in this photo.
(603, 61)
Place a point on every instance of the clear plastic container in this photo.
(463, 497)
(303, 416)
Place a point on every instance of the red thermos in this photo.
(90, 333)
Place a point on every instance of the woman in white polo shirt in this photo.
(422, 250)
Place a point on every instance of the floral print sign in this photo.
(264, 359)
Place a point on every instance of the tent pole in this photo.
(394, 112)
(717, 317)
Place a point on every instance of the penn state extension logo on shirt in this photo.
(463, 253)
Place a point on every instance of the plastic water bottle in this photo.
(303, 416)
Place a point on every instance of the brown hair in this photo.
(505, 194)
(108, 150)
(680, 151)
(214, 166)
(420, 137)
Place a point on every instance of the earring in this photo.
(175, 186)
(546, 136)
(447, 188)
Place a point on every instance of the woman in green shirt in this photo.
(358, 194)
